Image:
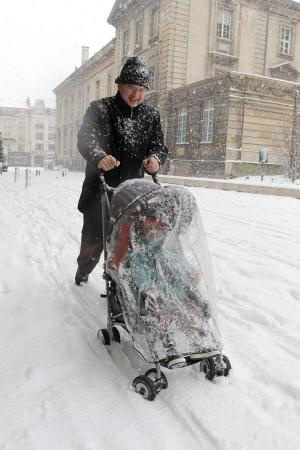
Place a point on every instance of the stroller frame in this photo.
(154, 380)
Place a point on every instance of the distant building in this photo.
(29, 134)
(225, 75)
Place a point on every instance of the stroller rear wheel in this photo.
(208, 367)
(223, 366)
(215, 366)
(145, 387)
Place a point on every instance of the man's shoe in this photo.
(81, 278)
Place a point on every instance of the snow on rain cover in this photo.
(159, 259)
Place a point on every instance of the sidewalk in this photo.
(229, 185)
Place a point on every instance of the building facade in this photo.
(225, 75)
(29, 134)
(91, 81)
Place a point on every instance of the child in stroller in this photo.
(161, 280)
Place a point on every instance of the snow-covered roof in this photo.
(264, 77)
(120, 7)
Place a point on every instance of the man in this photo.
(121, 136)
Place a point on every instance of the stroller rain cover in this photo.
(159, 259)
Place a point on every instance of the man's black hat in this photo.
(134, 71)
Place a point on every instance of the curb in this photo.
(228, 186)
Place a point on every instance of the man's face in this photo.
(132, 94)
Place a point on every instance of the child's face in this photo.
(153, 228)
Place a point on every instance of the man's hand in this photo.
(108, 163)
(151, 164)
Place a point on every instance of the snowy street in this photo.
(61, 389)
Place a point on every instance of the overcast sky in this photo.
(40, 44)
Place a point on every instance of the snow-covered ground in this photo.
(61, 389)
(267, 181)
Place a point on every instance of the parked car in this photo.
(4, 167)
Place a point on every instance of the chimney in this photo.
(84, 54)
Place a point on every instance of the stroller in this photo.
(159, 282)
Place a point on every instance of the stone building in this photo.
(43, 134)
(91, 81)
(225, 76)
(221, 126)
(28, 133)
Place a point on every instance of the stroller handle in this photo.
(107, 188)
(154, 178)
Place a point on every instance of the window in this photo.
(97, 89)
(154, 22)
(70, 140)
(87, 99)
(65, 138)
(138, 33)
(39, 125)
(21, 148)
(39, 146)
(7, 133)
(6, 112)
(151, 77)
(286, 40)
(39, 136)
(208, 121)
(66, 110)
(79, 104)
(51, 136)
(125, 42)
(7, 123)
(21, 137)
(224, 23)
(109, 84)
(21, 124)
(72, 108)
(165, 127)
(181, 126)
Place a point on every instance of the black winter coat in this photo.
(111, 127)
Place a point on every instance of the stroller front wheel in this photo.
(105, 336)
(116, 335)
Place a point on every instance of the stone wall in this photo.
(252, 113)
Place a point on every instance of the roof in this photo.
(120, 8)
(90, 62)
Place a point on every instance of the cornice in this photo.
(123, 9)
(275, 4)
